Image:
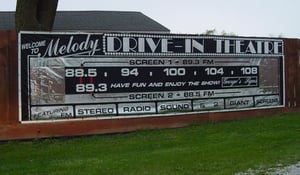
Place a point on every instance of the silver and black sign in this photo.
(102, 75)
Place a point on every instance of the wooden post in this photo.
(13, 76)
(298, 78)
(4, 81)
(291, 65)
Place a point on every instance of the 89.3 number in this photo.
(91, 88)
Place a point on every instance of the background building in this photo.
(95, 21)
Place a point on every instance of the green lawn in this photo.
(213, 149)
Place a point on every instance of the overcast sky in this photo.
(242, 17)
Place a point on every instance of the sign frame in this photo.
(144, 47)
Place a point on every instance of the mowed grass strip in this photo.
(222, 148)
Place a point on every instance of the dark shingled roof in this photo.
(113, 21)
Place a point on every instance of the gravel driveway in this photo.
(289, 170)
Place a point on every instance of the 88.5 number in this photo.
(80, 72)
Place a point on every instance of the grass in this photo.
(218, 149)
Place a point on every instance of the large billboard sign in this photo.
(69, 76)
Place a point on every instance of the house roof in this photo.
(113, 21)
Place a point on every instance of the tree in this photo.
(215, 32)
(211, 32)
(35, 15)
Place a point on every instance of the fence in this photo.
(11, 128)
